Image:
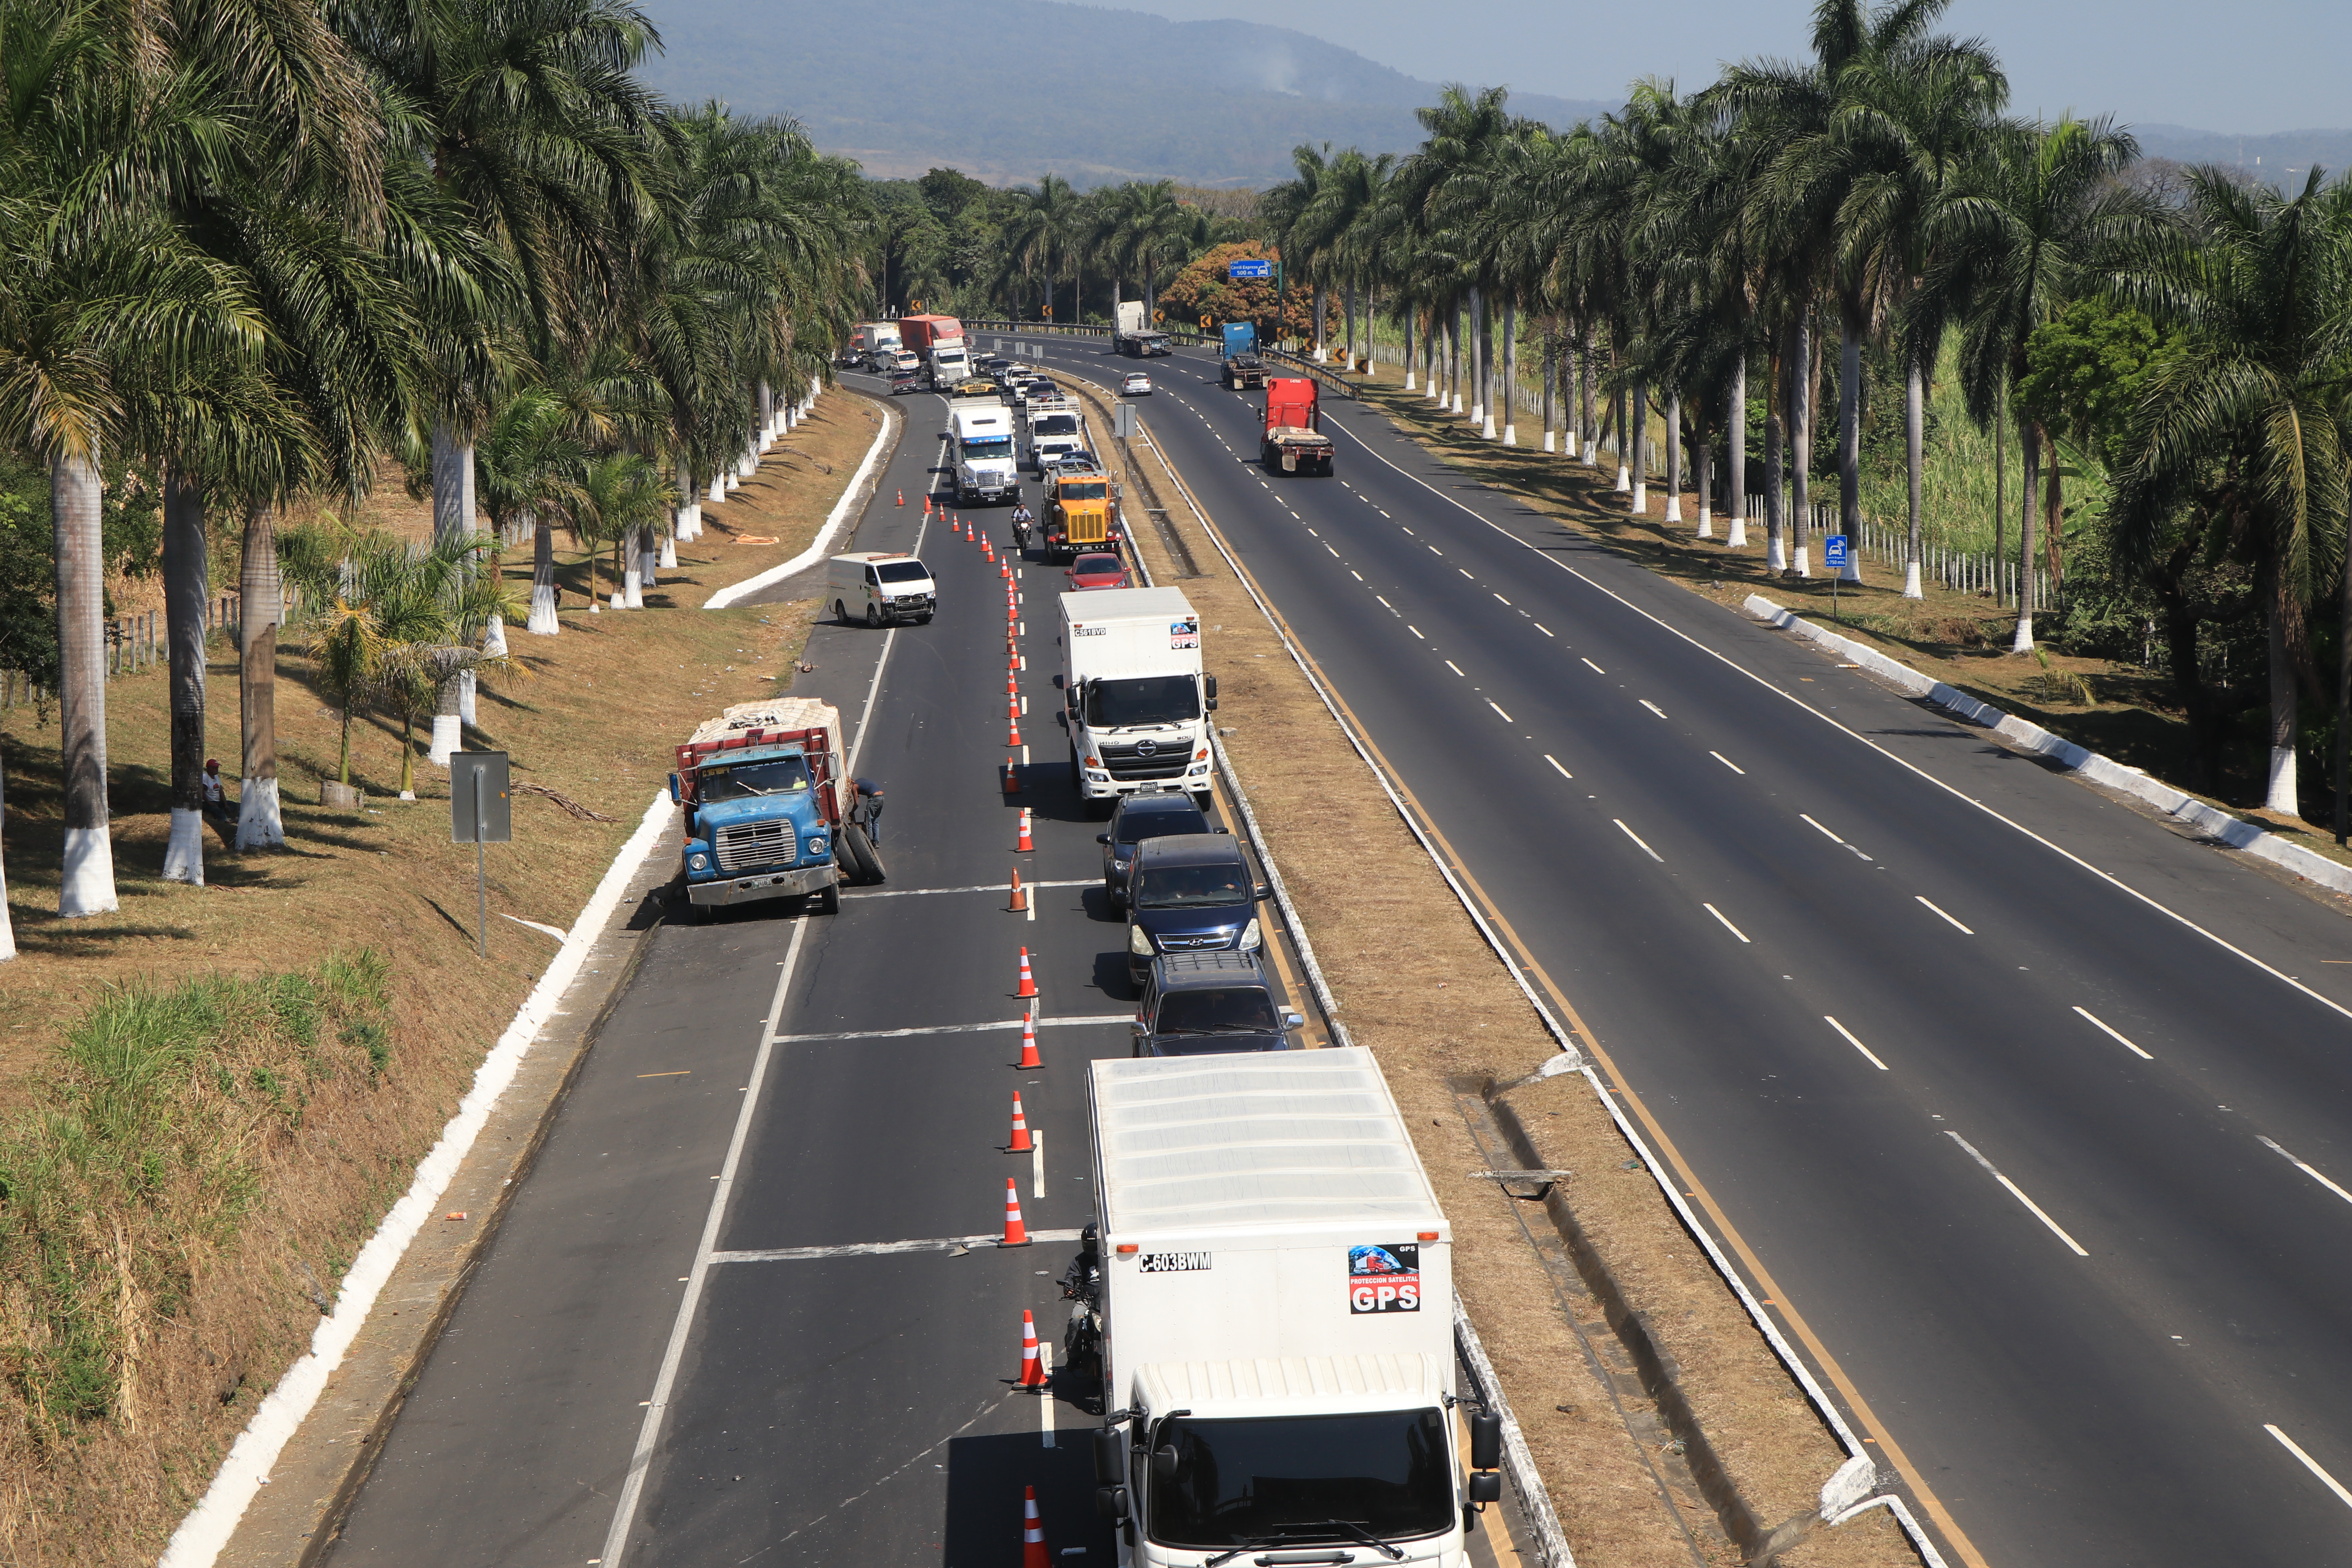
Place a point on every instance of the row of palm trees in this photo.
(262, 248)
(1695, 248)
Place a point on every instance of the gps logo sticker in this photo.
(1384, 1277)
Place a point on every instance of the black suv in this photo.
(1191, 894)
(1206, 1003)
(1153, 814)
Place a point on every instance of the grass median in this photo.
(208, 1098)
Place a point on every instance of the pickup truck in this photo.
(769, 811)
(1293, 441)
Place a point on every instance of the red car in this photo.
(1098, 571)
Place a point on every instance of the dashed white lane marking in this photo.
(1820, 829)
(1956, 925)
(2306, 1170)
(1728, 762)
(1335, 555)
(1317, 535)
(1654, 708)
(1857, 1045)
(1541, 628)
(1506, 717)
(2102, 1027)
(1358, 576)
(2312, 1464)
(1401, 525)
(2019, 1194)
(1497, 595)
(1593, 668)
(1046, 1400)
(1465, 573)
(1455, 668)
(955, 1028)
(1384, 604)
(1414, 630)
(1556, 767)
(1650, 852)
(1434, 550)
(1710, 909)
(1037, 1163)
(880, 1248)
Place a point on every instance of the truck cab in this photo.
(1293, 441)
(951, 362)
(1135, 697)
(1077, 516)
(981, 440)
(1237, 349)
(1053, 428)
(766, 806)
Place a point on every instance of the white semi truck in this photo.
(1052, 429)
(1134, 694)
(1267, 1290)
(979, 437)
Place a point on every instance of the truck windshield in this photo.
(734, 781)
(1288, 1478)
(1238, 1011)
(1151, 699)
(1054, 425)
(1099, 489)
(988, 445)
(902, 571)
(1192, 887)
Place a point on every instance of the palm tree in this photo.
(527, 474)
(1037, 235)
(2247, 426)
(618, 494)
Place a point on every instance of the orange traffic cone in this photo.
(1033, 1533)
(1029, 1057)
(1015, 1233)
(926, 503)
(1012, 687)
(1026, 844)
(1012, 777)
(1033, 1365)
(1021, 903)
(902, 497)
(1020, 1144)
(1013, 738)
(1028, 981)
(1005, 570)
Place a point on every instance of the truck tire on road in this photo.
(858, 854)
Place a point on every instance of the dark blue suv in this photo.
(1209, 1003)
(1189, 894)
(1151, 813)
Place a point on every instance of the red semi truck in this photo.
(917, 333)
(1294, 441)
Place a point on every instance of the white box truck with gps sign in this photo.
(1133, 694)
(1268, 1292)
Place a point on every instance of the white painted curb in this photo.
(2230, 830)
(208, 1526)
(851, 498)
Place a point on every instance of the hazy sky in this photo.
(2274, 65)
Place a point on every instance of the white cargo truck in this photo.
(1052, 429)
(1268, 1292)
(980, 438)
(874, 337)
(1133, 694)
(950, 361)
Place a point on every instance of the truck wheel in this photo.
(1074, 780)
(922, 620)
(828, 902)
(873, 617)
(841, 612)
(858, 851)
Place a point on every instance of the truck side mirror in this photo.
(1211, 705)
(1486, 1486)
(1261, 892)
(1102, 837)
(1110, 1503)
(1110, 1456)
(1485, 1442)
(675, 799)
(1212, 687)
(1163, 1462)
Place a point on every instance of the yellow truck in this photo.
(1080, 506)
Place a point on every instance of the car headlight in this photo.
(698, 862)
(1198, 768)
(1250, 936)
(1138, 941)
(1094, 777)
(819, 847)
(1117, 865)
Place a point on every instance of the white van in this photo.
(879, 587)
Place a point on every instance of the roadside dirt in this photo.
(593, 721)
(1420, 987)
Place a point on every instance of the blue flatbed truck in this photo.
(1243, 369)
(769, 812)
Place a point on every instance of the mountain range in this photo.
(1009, 90)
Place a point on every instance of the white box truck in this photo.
(1052, 429)
(1271, 1283)
(1133, 694)
(874, 337)
(980, 440)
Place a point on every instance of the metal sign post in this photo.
(481, 810)
(1834, 561)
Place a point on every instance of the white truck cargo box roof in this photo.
(1293, 1140)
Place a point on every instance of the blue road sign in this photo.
(1833, 552)
(1249, 269)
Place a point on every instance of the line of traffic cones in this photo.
(1015, 1233)
(1028, 987)
(1024, 843)
(1034, 1553)
(1020, 1144)
(1029, 1057)
(1020, 905)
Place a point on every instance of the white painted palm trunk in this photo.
(632, 595)
(494, 637)
(1487, 424)
(1852, 572)
(2023, 641)
(542, 621)
(1548, 441)
(1641, 502)
(1675, 507)
(649, 566)
(1624, 478)
(1705, 521)
(7, 926)
(617, 603)
(467, 714)
(183, 851)
(689, 520)
(1408, 377)
(669, 551)
(1776, 555)
(1911, 581)
(2282, 797)
(259, 824)
(1804, 561)
(1510, 434)
(446, 738)
(89, 886)
(717, 489)
(1734, 533)
(1457, 404)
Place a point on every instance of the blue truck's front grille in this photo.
(749, 846)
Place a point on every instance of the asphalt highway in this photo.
(750, 1307)
(2031, 1116)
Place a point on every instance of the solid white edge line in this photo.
(625, 1511)
(1718, 914)
(1956, 925)
(1857, 1045)
(2019, 1194)
(726, 596)
(1728, 762)
(1646, 848)
(1823, 1404)
(2306, 1169)
(208, 1526)
(1819, 828)
(2101, 1024)
(1905, 763)
(2311, 1464)
(1556, 767)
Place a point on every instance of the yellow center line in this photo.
(1880, 1437)
(682, 1072)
